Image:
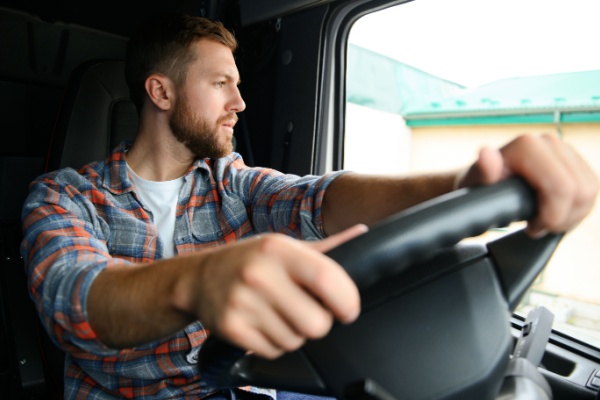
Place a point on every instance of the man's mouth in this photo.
(229, 121)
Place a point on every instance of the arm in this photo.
(267, 294)
(354, 198)
(565, 184)
(256, 293)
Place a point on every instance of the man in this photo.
(123, 257)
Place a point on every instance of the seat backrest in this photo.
(95, 116)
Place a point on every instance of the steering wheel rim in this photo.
(411, 236)
(399, 242)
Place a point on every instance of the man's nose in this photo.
(237, 103)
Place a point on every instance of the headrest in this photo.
(95, 116)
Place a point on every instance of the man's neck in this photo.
(158, 156)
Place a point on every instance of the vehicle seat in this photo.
(95, 116)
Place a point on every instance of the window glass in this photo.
(431, 81)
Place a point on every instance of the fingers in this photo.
(566, 186)
(283, 293)
(245, 326)
(339, 238)
(489, 168)
(283, 312)
(317, 275)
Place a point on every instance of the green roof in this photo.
(376, 81)
(568, 93)
(423, 99)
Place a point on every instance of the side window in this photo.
(430, 82)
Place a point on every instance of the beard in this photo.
(198, 135)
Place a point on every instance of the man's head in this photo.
(184, 65)
(162, 45)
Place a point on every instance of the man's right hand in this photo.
(271, 293)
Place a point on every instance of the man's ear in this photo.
(160, 90)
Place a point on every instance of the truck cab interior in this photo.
(433, 326)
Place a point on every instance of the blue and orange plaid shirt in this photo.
(77, 223)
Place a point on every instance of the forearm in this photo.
(132, 305)
(266, 294)
(367, 199)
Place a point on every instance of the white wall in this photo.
(375, 141)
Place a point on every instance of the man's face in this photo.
(205, 110)
(200, 135)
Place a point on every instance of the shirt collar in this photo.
(116, 178)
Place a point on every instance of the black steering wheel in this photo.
(406, 256)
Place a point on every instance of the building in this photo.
(419, 123)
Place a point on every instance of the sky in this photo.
(473, 42)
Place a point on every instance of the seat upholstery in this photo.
(95, 116)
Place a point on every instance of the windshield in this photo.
(434, 80)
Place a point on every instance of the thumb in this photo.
(489, 168)
(339, 238)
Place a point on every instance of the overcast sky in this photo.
(473, 42)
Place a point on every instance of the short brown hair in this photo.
(161, 45)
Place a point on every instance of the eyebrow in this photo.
(228, 77)
(237, 82)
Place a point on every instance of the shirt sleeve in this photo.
(277, 202)
(64, 250)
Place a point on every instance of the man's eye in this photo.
(219, 84)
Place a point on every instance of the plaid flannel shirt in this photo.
(77, 223)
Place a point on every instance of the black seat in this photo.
(96, 115)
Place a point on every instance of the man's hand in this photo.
(565, 184)
(271, 293)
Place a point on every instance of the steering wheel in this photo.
(408, 255)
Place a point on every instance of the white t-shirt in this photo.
(161, 198)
